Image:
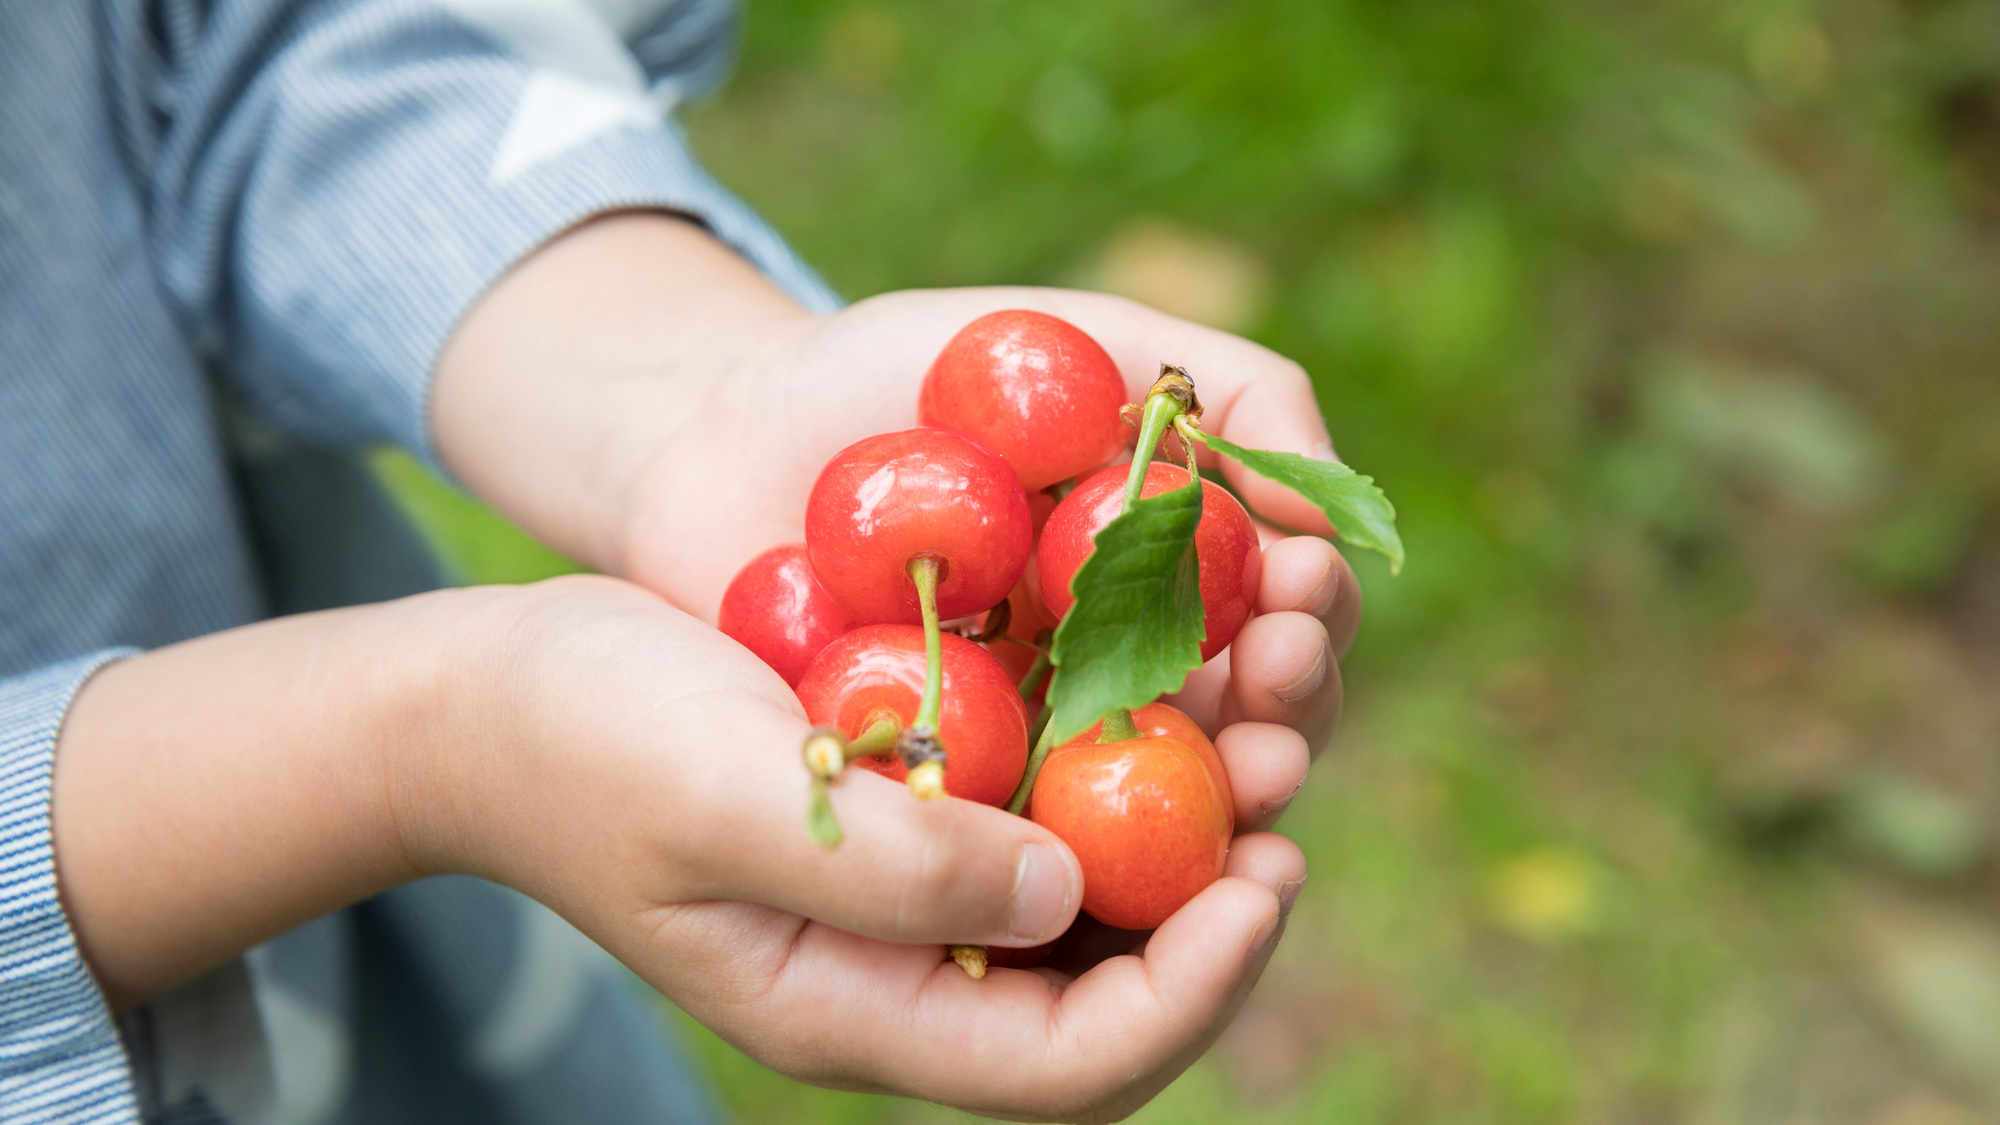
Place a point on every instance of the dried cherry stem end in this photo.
(1118, 726)
(923, 755)
(971, 958)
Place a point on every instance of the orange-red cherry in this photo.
(1225, 543)
(777, 608)
(1171, 722)
(1146, 819)
(878, 670)
(1033, 388)
(890, 498)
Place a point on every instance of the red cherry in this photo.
(1225, 542)
(1035, 389)
(887, 499)
(1145, 819)
(777, 608)
(1159, 719)
(1001, 957)
(878, 670)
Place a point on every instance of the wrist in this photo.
(214, 793)
(572, 374)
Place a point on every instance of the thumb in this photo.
(910, 871)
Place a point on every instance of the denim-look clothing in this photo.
(234, 235)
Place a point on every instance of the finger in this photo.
(1015, 1044)
(1267, 764)
(908, 870)
(1251, 395)
(1202, 696)
(1308, 575)
(1282, 670)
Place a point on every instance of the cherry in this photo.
(892, 498)
(1146, 820)
(1170, 722)
(877, 671)
(1033, 388)
(1225, 543)
(777, 608)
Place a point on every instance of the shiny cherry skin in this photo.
(1145, 818)
(1170, 722)
(777, 608)
(1033, 388)
(1225, 542)
(878, 670)
(887, 499)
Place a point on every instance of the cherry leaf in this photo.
(1359, 511)
(1136, 628)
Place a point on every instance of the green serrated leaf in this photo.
(1358, 510)
(1136, 629)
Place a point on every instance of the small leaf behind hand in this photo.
(1136, 629)
(1357, 509)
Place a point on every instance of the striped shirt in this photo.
(234, 235)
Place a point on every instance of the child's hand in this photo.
(650, 789)
(638, 396)
(587, 743)
(767, 426)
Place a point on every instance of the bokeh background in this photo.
(1669, 789)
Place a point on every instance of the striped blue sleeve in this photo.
(60, 1059)
(332, 184)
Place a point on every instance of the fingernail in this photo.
(1324, 451)
(1263, 935)
(1279, 804)
(1320, 602)
(1307, 684)
(1288, 893)
(1042, 889)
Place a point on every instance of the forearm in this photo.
(215, 793)
(576, 368)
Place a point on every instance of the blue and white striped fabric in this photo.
(234, 235)
(59, 1056)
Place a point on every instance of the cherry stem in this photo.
(1043, 744)
(924, 572)
(1189, 430)
(1118, 726)
(878, 737)
(1161, 410)
(1037, 672)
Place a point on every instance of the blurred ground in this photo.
(1670, 784)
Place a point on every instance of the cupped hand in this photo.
(734, 481)
(647, 785)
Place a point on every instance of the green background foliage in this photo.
(1669, 778)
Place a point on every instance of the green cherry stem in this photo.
(1163, 408)
(918, 744)
(1037, 672)
(1043, 744)
(1118, 726)
(1170, 402)
(924, 572)
(827, 754)
(878, 737)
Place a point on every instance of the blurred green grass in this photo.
(1667, 786)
